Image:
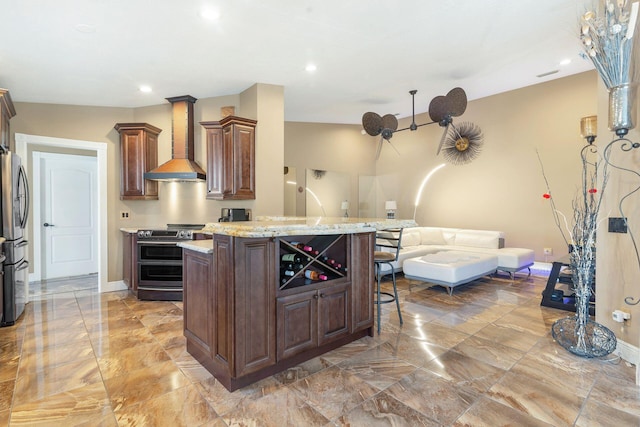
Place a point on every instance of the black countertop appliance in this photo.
(234, 214)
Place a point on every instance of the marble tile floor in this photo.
(482, 357)
(45, 289)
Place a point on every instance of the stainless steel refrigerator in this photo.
(14, 208)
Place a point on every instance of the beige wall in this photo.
(618, 271)
(178, 202)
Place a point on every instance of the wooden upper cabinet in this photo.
(138, 154)
(231, 158)
(7, 111)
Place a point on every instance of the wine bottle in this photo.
(314, 275)
(294, 258)
(329, 261)
(302, 246)
(291, 266)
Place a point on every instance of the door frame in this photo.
(22, 143)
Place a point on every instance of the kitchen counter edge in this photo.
(304, 226)
(203, 246)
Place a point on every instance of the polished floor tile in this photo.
(481, 357)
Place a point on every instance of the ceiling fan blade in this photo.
(389, 121)
(393, 146)
(379, 148)
(438, 108)
(444, 137)
(372, 123)
(457, 99)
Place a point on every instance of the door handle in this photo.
(46, 224)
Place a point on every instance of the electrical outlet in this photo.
(548, 251)
(125, 214)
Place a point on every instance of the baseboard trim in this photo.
(631, 354)
(118, 285)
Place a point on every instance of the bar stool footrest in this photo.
(385, 301)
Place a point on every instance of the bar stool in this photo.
(391, 240)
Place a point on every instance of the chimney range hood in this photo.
(182, 166)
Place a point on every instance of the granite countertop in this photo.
(204, 246)
(292, 226)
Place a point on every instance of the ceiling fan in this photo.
(442, 110)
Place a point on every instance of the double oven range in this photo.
(159, 261)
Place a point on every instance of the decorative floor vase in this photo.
(585, 339)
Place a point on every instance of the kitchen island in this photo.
(264, 296)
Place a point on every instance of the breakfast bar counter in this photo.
(266, 295)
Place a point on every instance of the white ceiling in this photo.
(369, 53)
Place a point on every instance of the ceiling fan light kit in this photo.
(442, 110)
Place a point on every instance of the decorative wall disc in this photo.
(463, 143)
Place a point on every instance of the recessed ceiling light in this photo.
(145, 88)
(210, 14)
(85, 28)
(310, 68)
(565, 62)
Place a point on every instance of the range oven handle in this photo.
(155, 242)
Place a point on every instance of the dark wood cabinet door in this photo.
(138, 154)
(7, 111)
(297, 323)
(226, 162)
(215, 165)
(230, 158)
(222, 318)
(361, 274)
(255, 304)
(334, 313)
(5, 132)
(244, 162)
(197, 297)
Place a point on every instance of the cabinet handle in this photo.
(315, 296)
(321, 295)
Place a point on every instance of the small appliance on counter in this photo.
(234, 214)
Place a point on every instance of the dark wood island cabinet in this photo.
(250, 312)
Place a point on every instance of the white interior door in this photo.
(69, 232)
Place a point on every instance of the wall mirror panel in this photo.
(326, 191)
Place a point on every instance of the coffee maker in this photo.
(234, 214)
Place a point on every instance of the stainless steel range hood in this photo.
(182, 166)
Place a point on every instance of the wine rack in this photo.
(324, 254)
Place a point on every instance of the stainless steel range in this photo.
(159, 261)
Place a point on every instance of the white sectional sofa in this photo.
(420, 241)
